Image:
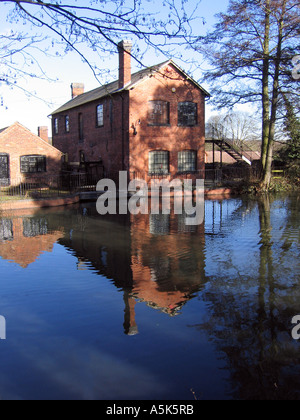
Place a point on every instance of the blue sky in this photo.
(33, 112)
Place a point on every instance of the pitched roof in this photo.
(37, 138)
(113, 87)
(3, 129)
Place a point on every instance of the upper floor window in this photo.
(67, 123)
(32, 164)
(100, 115)
(158, 113)
(55, 125)
(187, 161)
(159, 162)
(187, 114)
(80, 128)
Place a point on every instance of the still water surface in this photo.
(144, 307)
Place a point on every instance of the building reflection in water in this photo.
(244, 265)
(24, 238)
(155, 259)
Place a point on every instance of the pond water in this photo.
(145, 307)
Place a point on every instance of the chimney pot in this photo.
(125, 48)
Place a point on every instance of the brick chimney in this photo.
(43, 133)
(124, 48)
(77, 89)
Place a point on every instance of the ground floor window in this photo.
(159, 162)
(187, 161)
(4, 168)
(33, 227)
(81, 156)
(6, 230)
(33, 164)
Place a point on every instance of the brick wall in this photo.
(170, 86)
(18, 141)
(25, 250)
(124, 141)
(103, 143)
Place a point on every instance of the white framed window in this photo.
(187, 161)
(159, 162)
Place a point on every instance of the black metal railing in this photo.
(63, 185)
(69, 183)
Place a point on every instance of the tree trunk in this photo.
(268, 167)
(265, 88)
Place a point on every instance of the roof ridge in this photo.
(17, 123)
(3, 129)
(113, 87)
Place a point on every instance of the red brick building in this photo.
(25, 155)
(148, 123)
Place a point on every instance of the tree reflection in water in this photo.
(242, 266)
(250, 313)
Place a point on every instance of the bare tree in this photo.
(237, 126)
(241, 127)
(18, 56)
(90, 28)
(251, 52)
(215, 128)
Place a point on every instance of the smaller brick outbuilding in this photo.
(25, 155)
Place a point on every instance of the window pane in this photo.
(6, 230)
(4, 168)
(55, 125)
(100, 119)
(159, 162)
(187, 161)
(33, 164)
(158, 113)
(80, 128)
(187, 114)
(67, 124)
(34, 227)
(82, 156)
